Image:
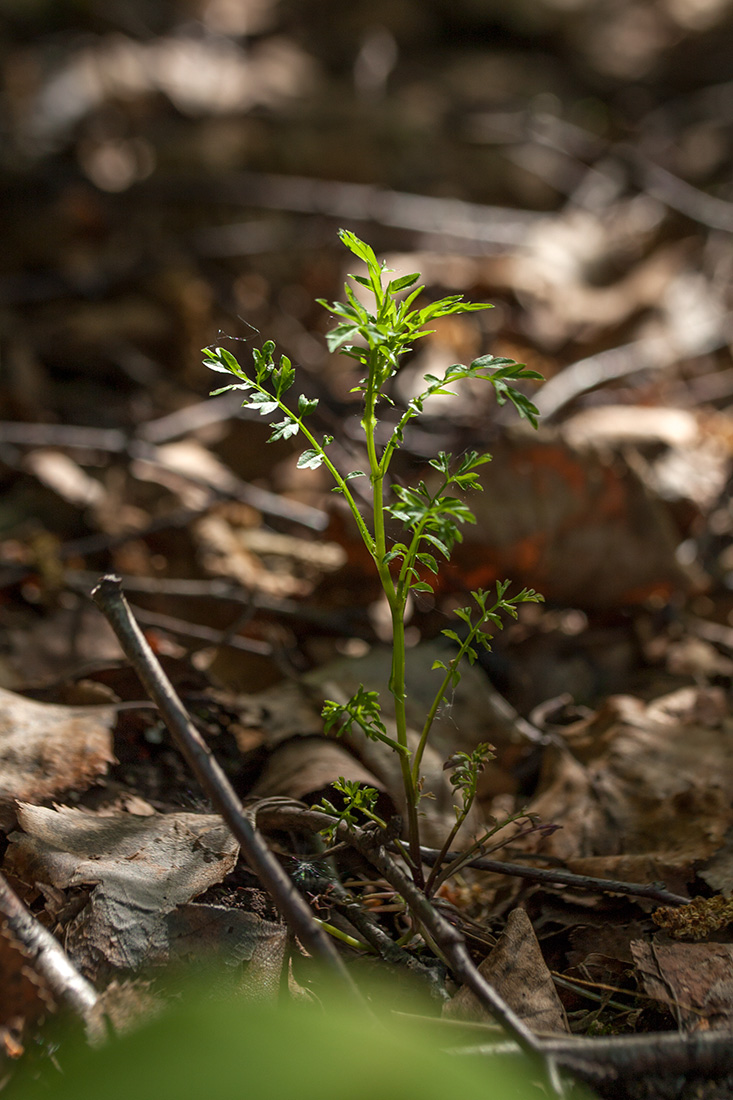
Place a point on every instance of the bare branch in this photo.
(48, 957)
(110, 599)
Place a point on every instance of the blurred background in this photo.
(174, 172)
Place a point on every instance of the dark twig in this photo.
(622, 1057)
(202, 633)
(110, 599)
(375, 936)
(213, 410)
(231, 487)
(48, 957)
(446, 937)
(576, 144)
(563, 878)
(597, 1060)
(70, 436)
(652, 353)
(680, 195)
(113, 441)
(349, 621)
(478, 227)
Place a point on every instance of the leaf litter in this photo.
(608, 709)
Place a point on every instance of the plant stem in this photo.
(440, 693)
(396, 600)
(435, 874)
(397, 687)
(340, 481)
(344, 937)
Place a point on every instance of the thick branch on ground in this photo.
(622, 1057)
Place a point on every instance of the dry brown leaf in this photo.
(46, 749)
(694, 979)
(600, 951)
(303, 767)
(235, 936)
(224, 552)
(140, 869)
(678, 454)
(519, 974)
(718, 870)
(198, 75)
(46, 649)
(555, 271)
(642, 425)
(67, 478)
(25, 994)
(642, 791)
(279, 713)
(127, 1005)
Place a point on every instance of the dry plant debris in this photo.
(177, 168)
(47, 749)
(139, 868)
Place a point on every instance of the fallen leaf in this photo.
(25, 994)
(46, 749)
(140, 869)
(694, 979)
(519, 974)
(305, 767)
(643, 790)
(552, 517)
(243, 940)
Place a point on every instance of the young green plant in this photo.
(430, 516)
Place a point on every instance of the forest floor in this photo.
(173, 178)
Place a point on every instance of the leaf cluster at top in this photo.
(393, 326)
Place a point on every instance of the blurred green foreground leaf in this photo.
(213, 1048)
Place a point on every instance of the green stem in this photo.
(398, 689)
(431, 885)
(439, 696)
(369, 424)
(403, 580)
(396, 601)
(350, 941)
(341, 482)
(440, 693)
(370, 731)
(465, 857)
(435, 878)
(414, 409)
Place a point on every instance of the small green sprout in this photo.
(431, 516)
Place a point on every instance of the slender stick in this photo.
(446, 936)
(618, 1058)
(111, 601)
(48, 957)
(431, 856)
